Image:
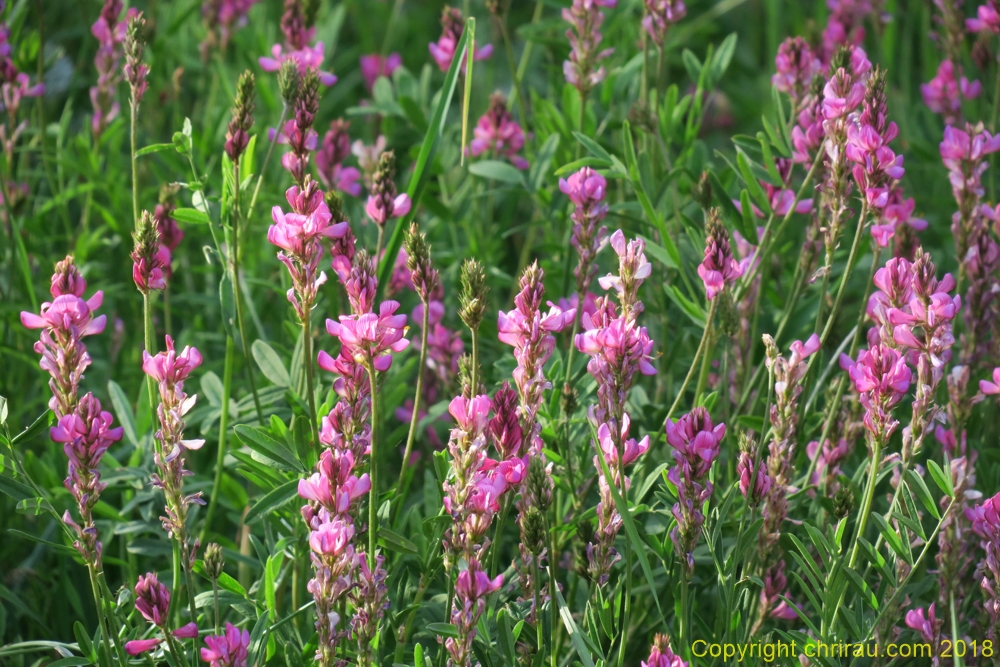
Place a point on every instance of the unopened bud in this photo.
(214, 561)
(472, 300)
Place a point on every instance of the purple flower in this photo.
(452, 27)
(140, 646)
(796, 65)
(987, 18)
(941, 94)
(230, 649)
(221, 18)
(152, 600)
(991, 388)
(754, 480)
(371, 337)
(585, 18)
(882, 378)
(925, 624)
(332, 538)
(471, 589)
(660, 16)
(497, 133)
(297, 47)
(375, 65)
(660, 655)
(335, 149)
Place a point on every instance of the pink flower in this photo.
(152, 599)
(170, 366)
(335, 149)
(452, 27)
(696, 438)
(882, 378)
(306, 58)
(985, 518)
(188, 631)
(497, 133)
(987, 18)
(332, 537)
(375, 65)
(754, 480)
(585, 187)
(796, 65)
(309, 220)
(991, 388)
(473, 583)
(470, 414)
(924, 624)
(660, 15)
(230, 649)
(631, 450)
(140, 646)
(68, 312)
(660, 655)
(719, 267)
(380, 213)
(372, 337)
(941, 94)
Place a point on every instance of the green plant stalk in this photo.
(996, 100)
(706, 364)
(147, 319)
(954, 626)
(263, 166)
(234, 267)
(227, 387)
(414, 418)
(539, 629)
(447, 614)
(505, 34)
(175, 583)
(694, 362)
(112, 620)
(475, 362)
(101, 612)
(189, 582)
(215, 605)
(381, 238)
(373, 469)
(307, 362)
(852, 260)
(494, 546)
(178, 653)
(133, 113)
(683, 632)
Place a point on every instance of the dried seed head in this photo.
(472, 300)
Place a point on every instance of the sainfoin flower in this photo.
(795, 66)
(585, 18)
(719, 267)
(330, 156)
(152, 600)
(375, 65)
(660, 16)
(991, 388)
(222, 17)
(471, 590)
(881, 377)
(941, 94)
(987, 18)
(660, 654)
(109, 30)
(230, 649)
(297, 47)
(383, 202)
(498, 134)
(443, 50)
(372, 337)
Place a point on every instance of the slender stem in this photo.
(378, 242)
(996, 100)
(99, 602)
(215, 604)
(227, 385)
(373, 469)
(694, 362)
(683, 632)
(475, 362)
(175, 583)
(417, 395)
(178, 653)
(263, 167)
(234, 267)
(307, 361)
(494, 546)
(147, 319)
(189, 582)
(706, 363)
(852, 260)
(539, 638)
(134, 109)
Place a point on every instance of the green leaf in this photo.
(123, 410)
(443, 629)
(575, 636)
(418, 656)
(271, 571)
(942, 480)
(33, 431)
(191, 216)
(769, 164)
(722, 58)
(270, 364)
(498, 171)
(268, 447)
(691, 64)
(756, 191)
(425, 159)
(644, 200)
(506, 638)
(862, 588)
(594, 148)
(83, 639)
(395, 542)
(17, 490)
(638, 546)
(891, 537)
(916, 482)
(258, 637)
(153, 148)
(273, 500)
(690, 308)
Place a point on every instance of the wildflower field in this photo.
(555, 333)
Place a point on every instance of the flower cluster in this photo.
(230, 649)
(109, 30)
(719, 268)
(375, 65)
(150, 258)
(882, 378)
(587, 190)
(452, 27)
(135, 70)
(875, 164)
(660, 16)
(297, 131)
(472, 588)
(169, 370)
(944, 93)
(152, 601)
(985, 520)
(987, 18)
(618, 348)
(299, 31)
(238, 132)
(383, 202)
(498, 134)
(660, 654)
(330, 156)
(299, 234)
(695, 440)
(788, 373)
(222, 18)
(583, 69)
(845, 26)
(797, 65)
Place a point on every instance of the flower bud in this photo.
(148, 255)
(534, 531)
(472, 300)
(843, 502)
(237, 136)
(288, 82)
(214, 561)
(135, 69)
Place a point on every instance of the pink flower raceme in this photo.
(660, 655)
(925, 623)
(660, 16)
(585, 18)
(630, 449)
(754, 480)
(335, 149)
(334, 486)
(64, 322)
(222, 18)
(845, 25)
(991, 388)
(170, 369)
(85, 435)
(587, 190)
(498, 134)
(109, 30)
(882, 378)
(152, 600)
(941, 94)
(443, 50)
(383, 202)
(985, 520)
(719, 268)
(796, 65)
(230, 649)
(334, 562)
(370, 599)
(633, 269)
(472, 588)
(371, 338)
(299, 234)
(695, 440)
(896, 212)
(375, 65)
(987, 18)
(296, 47)
(368, 157)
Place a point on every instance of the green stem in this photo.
(475, 363)
(175, 584)
(267, 160)
(134, 108)
(694, 362)
(683, 633)
(373, 469)
(234, 259)
(215, 604)
(307, 362)
(147, 320)
(178, 653)
(227, 386)
(417, 395)
(706, 364)
(996, 101)
(101, 612)
(852, 260)
(539, 635)
(189, 582)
